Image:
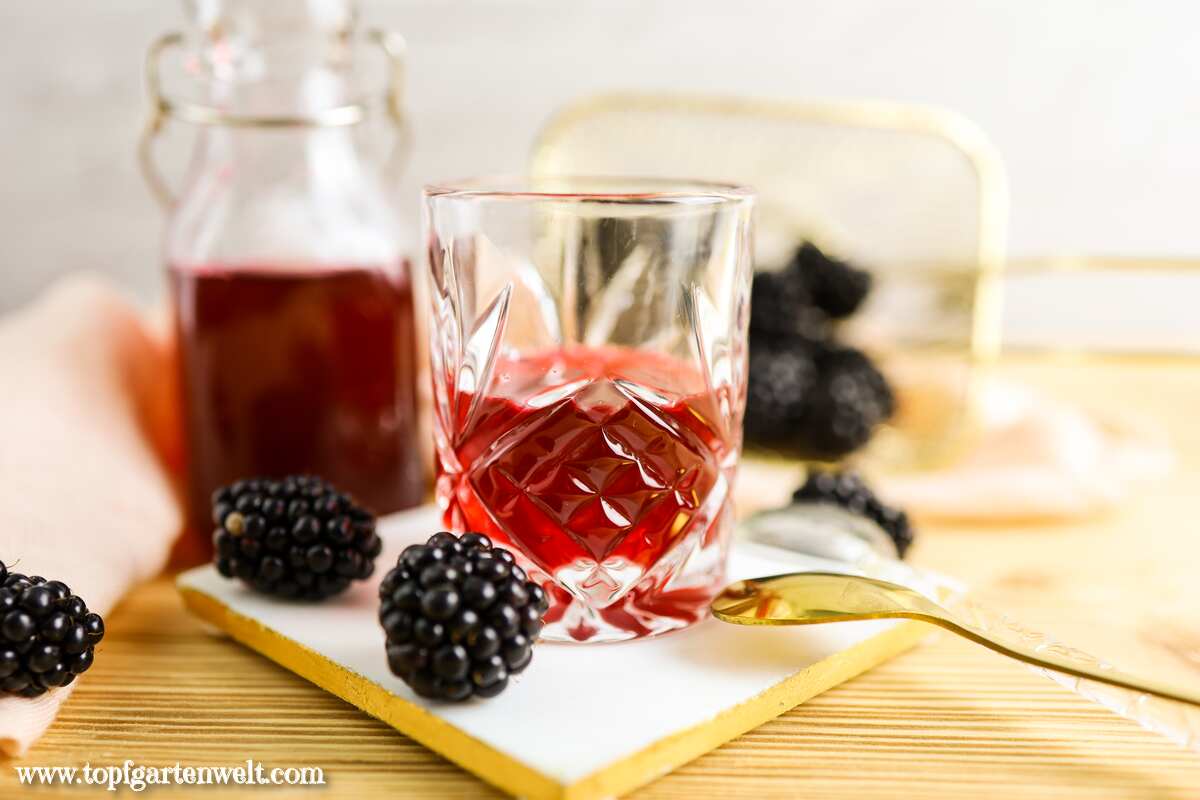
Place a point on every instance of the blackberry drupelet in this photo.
(848, 401)
(835, 287)
(460, 617)
(848, 490)
(47, 634)
(781, 376)
(298, 537)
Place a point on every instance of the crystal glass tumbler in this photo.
(588, 345)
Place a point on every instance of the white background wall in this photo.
(1095, 104)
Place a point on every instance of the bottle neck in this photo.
(273, 156)
(280, 193)
(291, 195)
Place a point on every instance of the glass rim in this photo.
(625, 189)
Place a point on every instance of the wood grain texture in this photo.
(947, 720)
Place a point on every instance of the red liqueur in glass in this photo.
(607, 471)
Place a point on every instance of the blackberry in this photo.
(848, 401)
(781, 305)
(807, 296)
(849, 491)
(835, 287)
(816, 400)
(781, 376)
(460, 617)
(298, 537)
(47, 634)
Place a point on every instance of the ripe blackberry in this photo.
(805, 297)
(781, 305)
(808, 394)
(848, 490)
(847, 402)
(298, 537)
(835, 287)
(47, 634)
(782, 374)
(460, 617)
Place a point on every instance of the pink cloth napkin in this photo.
(88, 443)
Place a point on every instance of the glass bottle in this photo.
(286, 262)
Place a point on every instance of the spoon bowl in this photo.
(811, 598)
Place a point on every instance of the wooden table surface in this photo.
(946, 720)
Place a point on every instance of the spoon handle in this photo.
(1170, 711)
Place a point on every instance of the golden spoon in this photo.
(810, 598)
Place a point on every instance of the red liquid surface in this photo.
(606, 469)
(298, 371)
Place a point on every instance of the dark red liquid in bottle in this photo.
(288, 371)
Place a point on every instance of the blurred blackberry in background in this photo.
(298, 537)
(780, 305)
(836, 287)
(848, 490)
(807, 393)
(803, 298)
(47, 634)
(782, 375)
(848, 401)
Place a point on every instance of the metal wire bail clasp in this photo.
(163, 108)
